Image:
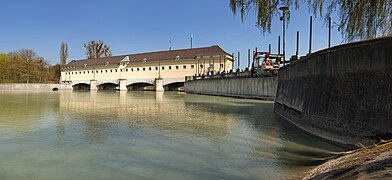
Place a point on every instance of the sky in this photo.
(144, 26)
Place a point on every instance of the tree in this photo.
(357, 19)
(26, 66)
(63, 54)
(96, 49)
(28, 56)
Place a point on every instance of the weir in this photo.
(343, 93)
(242, 87)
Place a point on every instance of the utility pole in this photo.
(310, 36)
(283, 19)
(191, 40)
(329, 32)
(296, 52)
(170, 44)
(280, 59)
(238, 66)
(248, 59)
(269, 48)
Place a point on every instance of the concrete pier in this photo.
(123, 84)
(93, 85)
(159, 84)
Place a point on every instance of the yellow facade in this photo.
(150, 70)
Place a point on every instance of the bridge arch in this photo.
(108, 86)
(174, 86)
(81, 87)
(107, 81)
(140, 86)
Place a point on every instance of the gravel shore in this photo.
(373, 162)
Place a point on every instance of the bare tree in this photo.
(97, 49)
(27, 56)
(63, 54)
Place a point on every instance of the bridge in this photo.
(129, 84)
(162, 70)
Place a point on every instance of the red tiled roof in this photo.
(158, 56)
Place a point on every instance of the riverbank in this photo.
(30, 86)
(374, 162)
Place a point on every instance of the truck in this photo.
(265, 64)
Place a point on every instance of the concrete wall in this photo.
(256, 88)
(343, 94)
(49, 87)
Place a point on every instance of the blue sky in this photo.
(144, 26)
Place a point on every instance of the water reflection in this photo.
(102, 111)
(149, 135)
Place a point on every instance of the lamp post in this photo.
(284, 9)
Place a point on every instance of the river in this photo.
(149, 135)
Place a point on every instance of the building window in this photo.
(137, 69)
(201, 66)
(84, 72)
(88, 72)
(163, 67)
(132, 69)
(144, 69)
(97, 71)
(211, 65)
(192, 66)
(169, 67)
(221, 65)
(120, 70)
(126, 70)
(176, 67)
(149, 68)
(115, 70)
(111, 70)
(156, 68)
(184, 67)
(106, 71)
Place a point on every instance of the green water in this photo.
(148, 135)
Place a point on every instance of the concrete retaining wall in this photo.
(17, 86)
(255, 88)
(343, 93)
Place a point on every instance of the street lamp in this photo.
(284, 9)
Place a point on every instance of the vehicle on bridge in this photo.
(265, 64)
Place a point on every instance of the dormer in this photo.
(177, 58)
(85, 65)
(144, 60)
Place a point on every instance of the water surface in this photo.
(149, 135)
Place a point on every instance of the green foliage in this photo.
(97, 49)
(357, 19)
(63, 54)
(25, 66)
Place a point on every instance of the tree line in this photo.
(26, 66)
